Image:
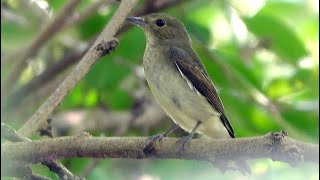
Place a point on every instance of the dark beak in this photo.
(136, 20)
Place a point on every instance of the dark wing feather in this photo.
(193, 70)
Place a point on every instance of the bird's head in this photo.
(161, 28)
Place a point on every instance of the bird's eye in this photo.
(160, 22)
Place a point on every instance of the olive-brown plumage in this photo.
(179, 81)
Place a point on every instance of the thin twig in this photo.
(259, 97)
(45, 77)
(60, 170)
(152, 6)
(35, 177)
(151, 116)
(90, 167)
(46, 34)
(74, 56)
(10, 134)
(123, 122)
(88, 11)
(12, 17)
(39, 118)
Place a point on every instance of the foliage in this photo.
(263, 59)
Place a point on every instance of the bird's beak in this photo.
(136, 20)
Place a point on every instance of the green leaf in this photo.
(288, 11)
(215, 71)
(56, 5)
(200, 31)
(74, 99)
(105, 75)
(284, 41)
(91, 98)
(306, 121)
(131, 45)
(43, 171)
(119, 100)
(239, 69)
(76, 165)
(14, 36)
(245, 115)
(94, 24)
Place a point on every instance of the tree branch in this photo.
(88, 11)
(276, 146)
(60, 170)
(57, 25)
(17, 96)
(152, 6)
(39, 118)
(74, 55)
(10, 134)
(32, 49)
(255, 94)
(114, 121)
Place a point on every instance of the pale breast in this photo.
(182, 103)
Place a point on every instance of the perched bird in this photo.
(179, 81)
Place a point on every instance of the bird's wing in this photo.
(193, 71)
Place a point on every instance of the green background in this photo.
(262, 56)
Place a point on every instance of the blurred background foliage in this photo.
(262, 56)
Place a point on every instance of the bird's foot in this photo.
(149, 149)
(185, 140)
(156, 137)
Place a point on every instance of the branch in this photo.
(258, 97)
(114, 121)
(17, 96)
(60, 170)
(46, 34)
(12, 17)
(39, 118)
(88, 11)
(276, 146)
(152, 6)
(35, 177)
(74, 55)
(10, 134)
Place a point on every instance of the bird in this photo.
(180, 83)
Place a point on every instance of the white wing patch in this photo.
(188, 81)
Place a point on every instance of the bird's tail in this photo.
(243, 167)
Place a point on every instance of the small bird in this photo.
(179, 81)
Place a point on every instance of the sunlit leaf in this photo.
(284, 41)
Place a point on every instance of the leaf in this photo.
(245, 116)
(74, 99)
(288, 11)
(284, 41)
(105, 75)
(131, 45)
(200, 31)
(94, 24)
(306, 121)
(57, 5)
(239, 69)
(119, 100)
(14, 36)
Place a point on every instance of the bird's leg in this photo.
(186, 139)
(150, 145)
(163, 135)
